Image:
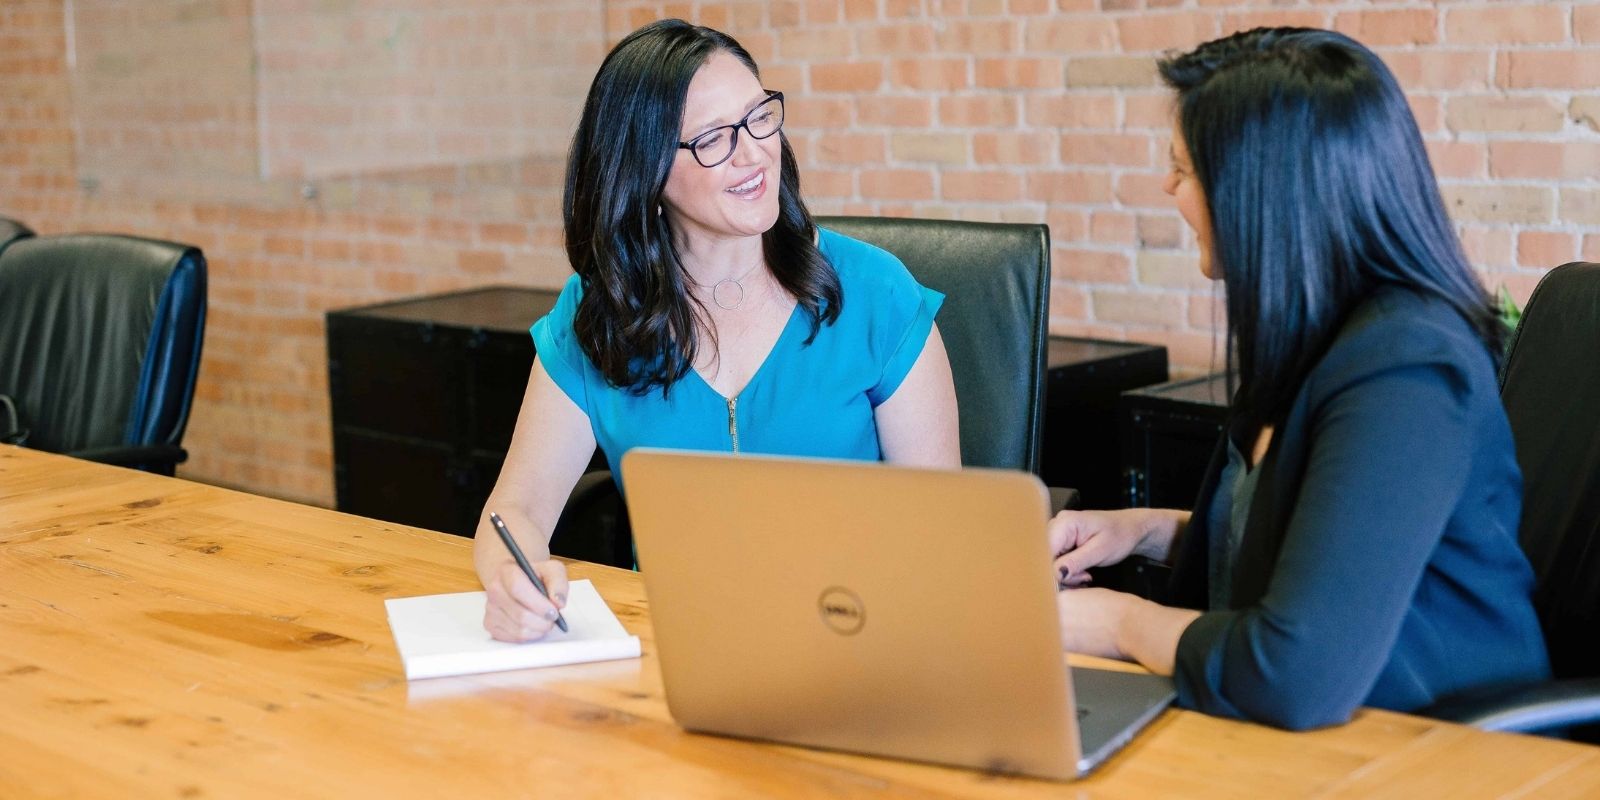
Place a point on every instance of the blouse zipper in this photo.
(733, 422)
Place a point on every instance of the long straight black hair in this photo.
(1320, 192)
(637, 320)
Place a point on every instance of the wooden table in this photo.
(161, 638)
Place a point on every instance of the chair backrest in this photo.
(996, 282)
(1551, 388)
(12, 230)
(102, 338)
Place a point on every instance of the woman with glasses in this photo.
(707, 311)
(1355, 542)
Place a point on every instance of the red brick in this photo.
(980, 185)
(987, 110)
(1580, 206)
(1586, 23)
(1068, 302)
(1071, 35)
(1078, 187)
(1486, 246)
(1139, 308)
(1243, 21)
(1090, 266)
(858, 10)
(1014, 148)
(1156, 32)
(1503, 203)
(809, 44)
(1502, 113)
(818, 112)
(1152, 110)
(1505, 24)
(1171, 269)
(1545, 248)
(847, 77)
(1585, 111)
(1142, 189)
(850, 148)
(1591, 247)
(1116, 71)
(1440, 70)
(481, 261)
(1546, 160)
(942, 148)
(1073, 110)
(1067, 224)
(897, 184)
(914, 112)
(1019, 73)
(1111, 227)
(935, 74)
(1102, 149)
(1456, 159)
(823, 12)
(1548, 69)
(979, 36)
(1390, 26)
(893, 40)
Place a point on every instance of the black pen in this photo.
(522, 561)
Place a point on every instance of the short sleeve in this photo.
(557, 347)
(908, 323)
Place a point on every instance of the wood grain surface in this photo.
(161, 638)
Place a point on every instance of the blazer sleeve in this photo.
(1389, 458)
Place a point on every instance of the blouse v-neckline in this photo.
(772, 351)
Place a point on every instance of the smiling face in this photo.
(739, 197)
(1184, 187)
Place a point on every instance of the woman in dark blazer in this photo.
(1355, 540)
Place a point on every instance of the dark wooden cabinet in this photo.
(1168, 434)
(425, 394)
(1085, 380)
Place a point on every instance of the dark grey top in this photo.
(1379, 562)
(1230, 511)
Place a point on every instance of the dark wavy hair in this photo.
(636, 320)
(1320, 192)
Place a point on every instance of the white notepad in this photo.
(442, 634)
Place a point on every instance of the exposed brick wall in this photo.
(366, 154)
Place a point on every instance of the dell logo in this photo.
(841, 610)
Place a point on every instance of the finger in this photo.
(520, 592)
(1063, 532)
(517, 625)
(1077, 581)
(554, 575)
(1092, 551)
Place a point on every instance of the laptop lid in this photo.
(856, 606)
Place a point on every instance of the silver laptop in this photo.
(873, 609)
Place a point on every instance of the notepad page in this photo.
(442, 634)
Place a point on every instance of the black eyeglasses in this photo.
(717, 145)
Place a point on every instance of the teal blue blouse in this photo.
(813, 399)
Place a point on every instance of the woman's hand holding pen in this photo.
(516, 611)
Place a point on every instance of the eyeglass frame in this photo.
(733, 144)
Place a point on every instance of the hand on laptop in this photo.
(516, 612)
(1084, 539)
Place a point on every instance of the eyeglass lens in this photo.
(762, 121)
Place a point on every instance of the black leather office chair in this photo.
(994, 322)
(102, 341)
(1551, 388)
(12, 230)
